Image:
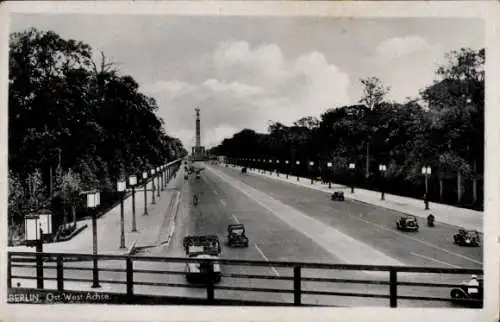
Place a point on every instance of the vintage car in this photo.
(207, 249)
(198, 175)
(463, 292)
(467, 238)
(236, 236)
(337, 196)
(407, 223)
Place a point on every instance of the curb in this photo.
(73, 234)
(171, 227)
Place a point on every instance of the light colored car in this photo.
(203, 247)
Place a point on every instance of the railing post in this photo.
(130, 278)
(9, 271)
(60, 273)
(39, 264)
(210, 283)
(393, 288)
(297, 286)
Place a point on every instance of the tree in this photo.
(457, 100)
(70, 192)
(67, 112)
(374, 93)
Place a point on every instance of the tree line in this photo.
(442, 128)
(75, 124)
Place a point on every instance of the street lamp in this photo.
(93, 201)
(153, 183)
(132, 180)
(120, 186)
(277, 168)
(426, 171)
(297, 163)
(287, 170)
(158, 181)
(352, 167)
(33, 236)
(161, 177)
(329, 165)
(145, 182)
(311, 163)
(382, 168)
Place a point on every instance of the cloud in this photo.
(234, 88)
(174, 88)
(401, 46)
(412, 59)
(247, 87)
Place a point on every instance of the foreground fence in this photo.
(275, 283)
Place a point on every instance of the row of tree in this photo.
(74, 124)
(443, 129)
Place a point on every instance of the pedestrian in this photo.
(473, 285)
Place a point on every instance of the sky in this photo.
(244, 72)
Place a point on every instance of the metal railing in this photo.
(294, 279)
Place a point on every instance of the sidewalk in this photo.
(109, 229)
(460, 217)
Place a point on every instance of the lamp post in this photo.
(33, 234)
(158, 175)
(120, 186)
(132, 180)
(426, 171)
(93, 201)
(161, 178)
(352, 167)
(382, 168)
(287, 169)
(329, 165)
(153, 183)
(145, 182)
(297, 163)
(311, 164)
(277, 168)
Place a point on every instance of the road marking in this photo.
(236, 219)
(223, 202)
(410, 237)
(320, 233)
(435, 260)
(267, 260)
(353, 216)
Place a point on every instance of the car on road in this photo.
(467, 238)
(407, 223)
(207, 250)
(463, 292)
(236, 236)
(198, 175)
(337, 196)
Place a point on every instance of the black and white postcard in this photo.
(261, 161)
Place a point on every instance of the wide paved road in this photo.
(275, 237)
(288, 222)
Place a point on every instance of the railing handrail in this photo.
(304, 265)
